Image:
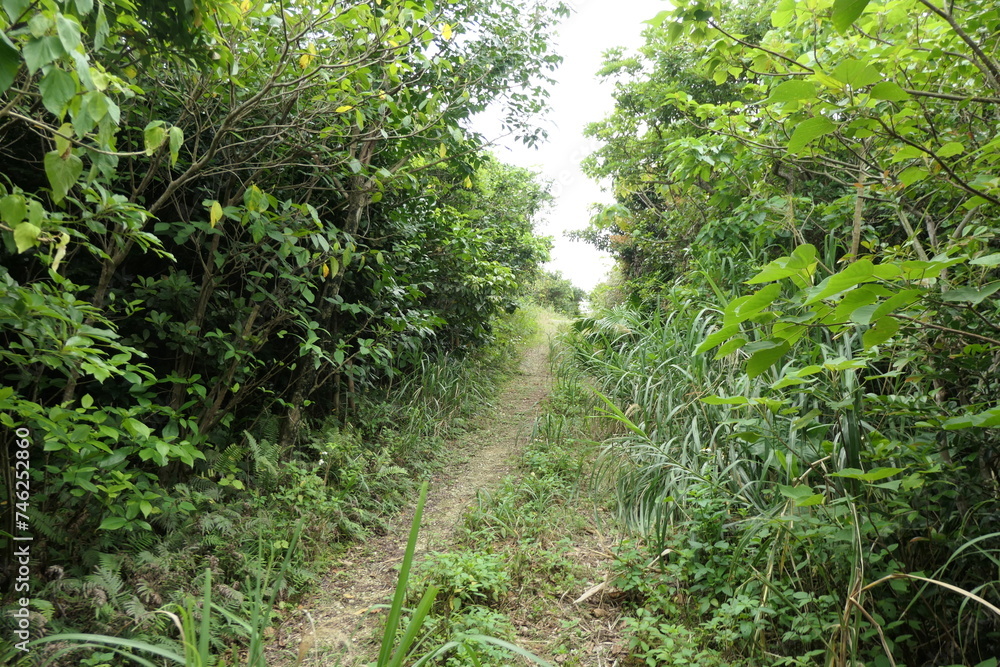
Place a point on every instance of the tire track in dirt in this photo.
(342, 613)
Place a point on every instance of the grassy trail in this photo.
(344, 616)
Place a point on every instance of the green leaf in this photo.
(720, 400)
(176, 141)
(713, 339)
(62, 173)
(793, 90)
(950, 148)
(12, 209)
(895, 302)
(113, 523)
(846, 12)
(889, 91)
(26, 236)
(861, 271)
(136, 428)
(874, 475)
(68, 31)
(856, 74)
(971, 294)
(40, 52)
(802, 495)
(10, 61)
(883, 329)
(987, 260)
(801, 263)
(987, 419)
(154, 135)
(15, 9)
(763, 359)
(911, 175)
(84, 7)
(745, 307)
(730, 347)
(809, 130)
(57, 89)
(101, 29)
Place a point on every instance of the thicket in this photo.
(804, 366)
(554, 291)
(248, 248)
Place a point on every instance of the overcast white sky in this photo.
(579, 99)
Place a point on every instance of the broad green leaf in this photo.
(10, 61)
(176, 141)
(793, 90)
(883, 329)
(889, 91)
(40, 52)
(802, 262)
(728, 348)
(907, 153)
(12, 209)
(783, 13)
(69, 32)
(713, 339)
(986, 260)
(846, 12)
(809, 130)
(720, 400)
(658, 20)
(950, 148)
(57, 89)
(763, 359)
(62, 173)
(856, 74)
(897, 301)
(858, 272)
(136, 428)
(745, 307)
(874, 475)
(26, 236)
(925, 270)
(15, 9)
(112, 523)
(101, 29)
(971, 294)
(154, 135)
(802, 495)
(84, 6)
(987, 419)
(911, 175)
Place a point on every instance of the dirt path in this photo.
(366, 575)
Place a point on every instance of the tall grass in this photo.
(790, 505)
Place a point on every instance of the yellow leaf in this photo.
(131, 72)
(346, 107)
(304, 60)
(326, 270)
(467, 183)
(442, 150)
(60, 251)
(215, 214)
(446, 31)
(245, 6)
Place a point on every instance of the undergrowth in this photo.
(341, 481)
(800, 523)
